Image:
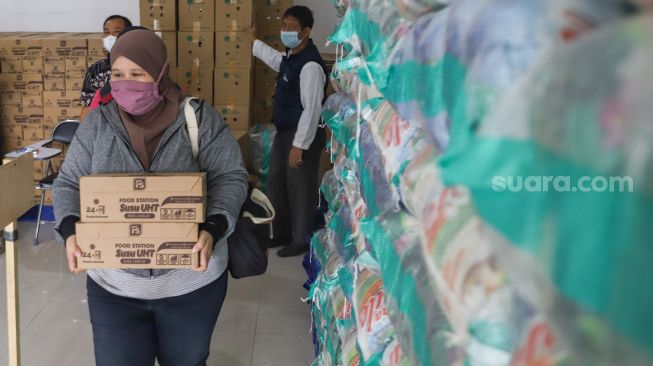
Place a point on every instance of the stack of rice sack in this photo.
(434, 100)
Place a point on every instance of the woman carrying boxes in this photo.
(140, 314)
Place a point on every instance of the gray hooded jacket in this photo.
(102, 145)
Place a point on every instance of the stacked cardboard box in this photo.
(233, 58)
(269, 15)
(212, 52)
(140, 221)
(40, 82)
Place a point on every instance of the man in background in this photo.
(100, 72)
(295, 157)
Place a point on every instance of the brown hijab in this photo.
(148, 51)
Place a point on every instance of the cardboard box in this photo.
(90, 60)
(38, 170)
(269, 15)
(233, 15)
(11, 99)
(174, 75)
(74, 82)
(61, 99)
(236, 116)
(265, 81)
(11, 143)
(11, 64)
(76, 65)
(32, 99)
(159, 15)
(170, 40)
(53, 116)
(54, 65)
(197, 16)
(22, 116)
(263, 110)
(96, 46)
(143, 198)
(21, 82)
(196, 82)
(233, 49)
(20, 46)
(11, 131)
(239, 135)
(54, 82)
(272, 39)
(62, 45)
(48, 198)
(137, 245)
(33, 65)
(33, 133)
(232, 86)
(195, 49)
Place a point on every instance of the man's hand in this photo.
(72, 253)
(251, 31)
(295, 157)
(205, 247)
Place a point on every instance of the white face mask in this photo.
(108, 42)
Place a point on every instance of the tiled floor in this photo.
(263, 321)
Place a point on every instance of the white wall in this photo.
(326, 19)
(87, 16)
(62, 15)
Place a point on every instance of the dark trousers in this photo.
(294, 192)
(176, 330)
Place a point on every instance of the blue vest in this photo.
(287, 98)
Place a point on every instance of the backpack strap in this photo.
(191, 125)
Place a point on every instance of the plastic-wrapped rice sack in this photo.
(331, 189)
(575, 196)
(413, 9)
(338, 104)
(394, 355)
(421, 182)
(341, 233)
(421, 327)
(379, 195)
(344, 75)
(344, 315)
(320, 246)
(375, 331)
(491, 59)
(260, 147)
(350, 350)
(324, 318)
(414, 78)
(341, 6)
(395, 138)
(377, 24)
(339, 113)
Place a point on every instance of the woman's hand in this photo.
(72, 253)
(204, 246)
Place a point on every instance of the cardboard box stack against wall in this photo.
(269, 15)
(212, 52)
(140, 221)
(41, 77)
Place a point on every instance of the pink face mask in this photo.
(137, 97)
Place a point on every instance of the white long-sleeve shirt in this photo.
(311, 90)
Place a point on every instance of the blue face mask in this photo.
(290, 39)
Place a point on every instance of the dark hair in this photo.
(128, 22)
(129, 29)
(303, 14)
